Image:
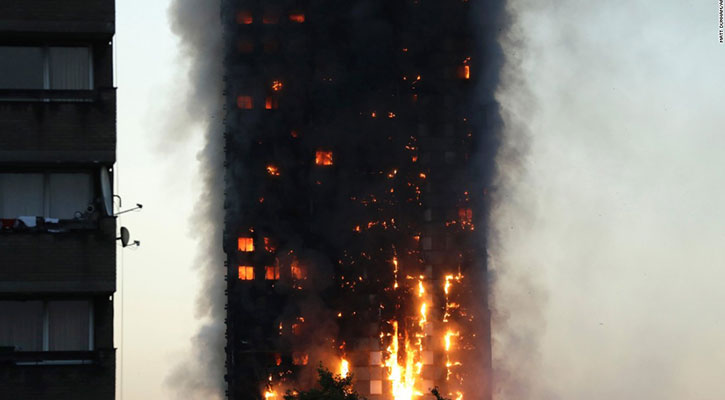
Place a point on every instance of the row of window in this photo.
(271, 273)
(46, 67)
(268, 18)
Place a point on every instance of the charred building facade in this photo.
(57, 232)
(358, 152)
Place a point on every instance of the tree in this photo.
(330, 387)
(335, 387)
(437, 394)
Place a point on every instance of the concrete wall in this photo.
(69, 15)
(81, 132)
(82, 261)
(59, 382)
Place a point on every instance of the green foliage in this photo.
(335, 387)
(330, 387)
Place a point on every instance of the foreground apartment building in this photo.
(57, 232)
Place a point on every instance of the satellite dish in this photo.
(106, 192)
(125, 236)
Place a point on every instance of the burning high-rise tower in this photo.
(359, 138)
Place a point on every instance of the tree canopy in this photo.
(334, 387)
(330, 387)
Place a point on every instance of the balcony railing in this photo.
(9, 356)
(33, 95)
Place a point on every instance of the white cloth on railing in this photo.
(30, 222)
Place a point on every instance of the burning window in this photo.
(464, 71)
(376, 358)
(465, 215)
(297, 271)
(244, 18)
(271, 273)
(297, 17)
(244, 102)
(427, 358)
(271, 103)
(299, 358)
(245, 244)
(269, 245)
(323, 157)
(246, 273)
(270, 46)
(270, 18)
(277, 85)
(376, 386)
(245, 46)
(297, 326)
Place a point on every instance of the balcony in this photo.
(48, 262)
(68, 16)
(38, 358)
(49, 126)
(58, 375)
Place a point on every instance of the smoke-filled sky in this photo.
(609, 224)
(611, 231)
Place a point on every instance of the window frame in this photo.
(94, 188)
(45, 344)
(45, 49)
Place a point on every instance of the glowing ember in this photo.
(272, 170)
(277, 86)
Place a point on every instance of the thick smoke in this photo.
(517, 298)
(608, 214)
(197, 24)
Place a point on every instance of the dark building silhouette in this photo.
(57, 233)
(358, 151)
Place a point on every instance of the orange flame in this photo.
(344, 368)
(272, 170)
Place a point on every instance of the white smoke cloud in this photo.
(609, 222)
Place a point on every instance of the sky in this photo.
(608, 225)
(157, 279)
